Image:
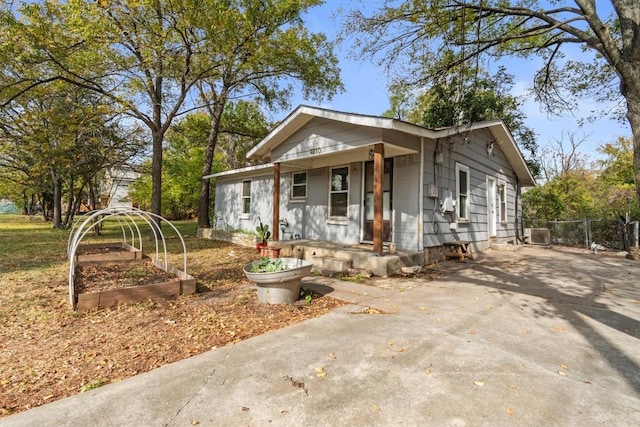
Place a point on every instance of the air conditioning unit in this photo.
(538, 236)
(432, 191)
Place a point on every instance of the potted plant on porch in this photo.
(278, 280)
(262, 244)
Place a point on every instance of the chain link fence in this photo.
(611, 234)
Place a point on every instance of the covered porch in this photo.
(387, 146)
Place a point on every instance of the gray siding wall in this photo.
(473, 154)
(406, 202)
(321, 136)
(228, 204)
(307, 218)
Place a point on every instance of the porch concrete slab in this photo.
(535, 337)
(357, 256)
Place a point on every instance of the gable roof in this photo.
(303, 114)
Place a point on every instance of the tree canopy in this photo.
(455, 100)
(424, 41)
(156, 60)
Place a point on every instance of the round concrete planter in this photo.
(280, 287)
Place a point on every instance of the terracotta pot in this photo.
(269, 252)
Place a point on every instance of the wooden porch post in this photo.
(276, 202)
(378, 173)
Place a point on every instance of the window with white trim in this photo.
(502, 195)
(246, 197)
(299, 185)
(338, 192)
(462, 191)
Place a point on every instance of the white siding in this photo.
(406, 202)
(228, 204)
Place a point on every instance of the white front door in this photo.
(491, 206)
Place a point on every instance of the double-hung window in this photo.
(339, 192)
(299, 185)
(502, 194)
(246, 197)
(462, 189)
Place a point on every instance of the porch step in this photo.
(329, 263)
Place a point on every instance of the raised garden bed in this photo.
(101, 286)
(106, 253)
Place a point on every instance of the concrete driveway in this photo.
(534, 337)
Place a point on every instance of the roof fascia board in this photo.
(250, 170)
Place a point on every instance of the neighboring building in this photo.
(433, 186)
(7, 207)
(114, 188)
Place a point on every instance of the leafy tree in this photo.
(182, 158)
(243, 125)
(455, 100)
(56, 143)
(429, 39)
(259, 48)
(616, 182)
(560, 158)
(571, 190)
(142, 55)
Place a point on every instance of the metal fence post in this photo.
(587, 232)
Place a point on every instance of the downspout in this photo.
(518, 223)
(421, 199)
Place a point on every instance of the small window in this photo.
(339, 192)
(502, 193)
(299, 185)
(246, 197)
(462, 187)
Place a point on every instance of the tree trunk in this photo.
(156, 175)
(70, 203)
(57, 200)
(633, 115)
(205, 186)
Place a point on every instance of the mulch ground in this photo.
(48, 351)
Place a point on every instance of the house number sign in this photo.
(315, 150)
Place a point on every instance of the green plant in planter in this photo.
(268, 265)
(263, 232)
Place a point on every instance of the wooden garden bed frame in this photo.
(127, 253)
(184, 284)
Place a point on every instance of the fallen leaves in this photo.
(69, 352)
(562, 370)
(320, 372)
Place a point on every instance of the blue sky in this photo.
(366, 90)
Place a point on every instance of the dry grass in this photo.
(47, 351)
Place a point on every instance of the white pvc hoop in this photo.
(78, 232)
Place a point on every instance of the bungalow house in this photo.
(355, 179)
